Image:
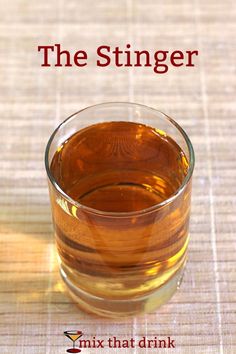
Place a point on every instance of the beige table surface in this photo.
(33, 100)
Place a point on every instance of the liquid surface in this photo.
(119, 167)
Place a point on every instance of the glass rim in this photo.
(154, 207)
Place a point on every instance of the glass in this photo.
(73, 335)
(120, 188)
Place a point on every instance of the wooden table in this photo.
(35, 310)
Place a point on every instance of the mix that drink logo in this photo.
(114, 342)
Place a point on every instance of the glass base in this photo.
(123, 307)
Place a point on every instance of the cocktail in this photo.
(73, 335)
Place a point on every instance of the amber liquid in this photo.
(124, 169)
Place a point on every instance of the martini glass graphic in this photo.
(73, 335)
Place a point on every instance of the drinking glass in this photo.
(120, 258)
(74, 336)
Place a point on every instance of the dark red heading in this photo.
(160, 60)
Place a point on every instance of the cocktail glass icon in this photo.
(73, 335)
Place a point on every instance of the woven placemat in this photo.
(33, 100)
